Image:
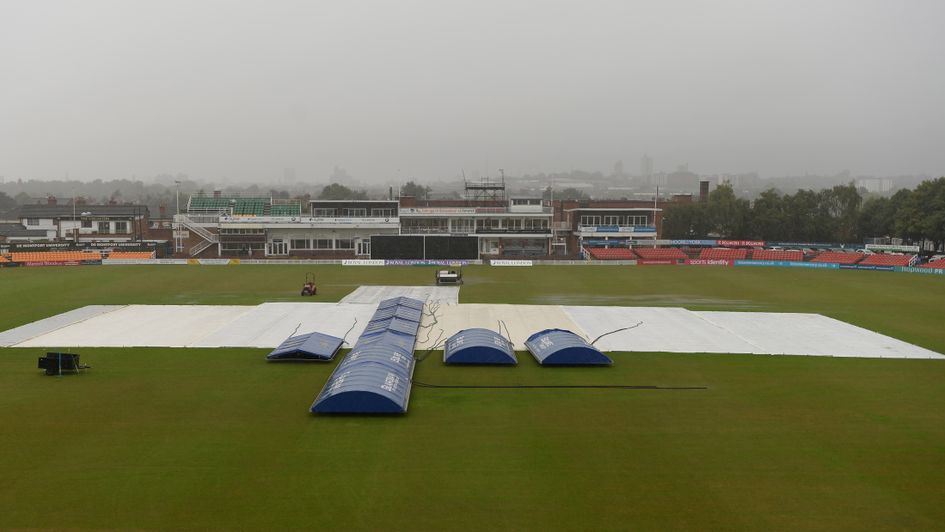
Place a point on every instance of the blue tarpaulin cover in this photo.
(311, 346)
(478, 346)
(374, 378)
(558, 347)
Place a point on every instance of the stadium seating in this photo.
(940, 263)
(660, 253)
(887, 259)
(612, 253)
(4, 259)
(794, 255)
(242, 206)
(131, 255)
(838, 257)
(286, 210)
(723, 254)
(54, 256)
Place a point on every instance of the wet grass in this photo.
(205, 439)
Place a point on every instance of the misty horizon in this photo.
(424, 91)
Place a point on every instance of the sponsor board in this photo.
(506, 262)
(656, 262)
(811, 245)
(425, 262)
(362, 262)
(63, 263)
(913, 269)
(742, 243)
(788, 264)
(866, 267)
(709, 262)
(689, 242)
(72, 246)
(118, 262)
(890, 247)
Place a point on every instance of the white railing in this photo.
(197, 249)
(201, 232)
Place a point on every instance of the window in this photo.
(356, 213)
(637, 220)
(382, 213)
(103, 227)
(324, 213)
(86, 224)
(344, 244)
(300, 243)
(322, 243)
(121, 227)
(611, 220)
(32, 221)
(463, 225)
(590, 220)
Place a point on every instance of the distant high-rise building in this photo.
(618, 170)
(646, 166)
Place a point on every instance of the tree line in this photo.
(838, 214)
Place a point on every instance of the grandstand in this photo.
(940, 263)
(285, 209)
(723, 253)
(793, 255)
(838, 257)
(612, 253)
(3, 259)
(243, 205)
(55, 256)
(888, 259)
(660, 253)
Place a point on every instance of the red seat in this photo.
(611, 253)
(838, 257)
(660, 253)
(723, 254)
(886, 259)
(794, 255)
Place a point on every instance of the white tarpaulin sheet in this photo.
(143, 326)
(270, 323)
(444, 295)
(52, 323)
(676, 330)
(661, 329)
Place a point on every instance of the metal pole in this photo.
(178, 241)
(654, 211)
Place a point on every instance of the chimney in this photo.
(703, 191)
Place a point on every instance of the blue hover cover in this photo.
(478, 346)
(559, 347)
(311, 346)
(375, 377)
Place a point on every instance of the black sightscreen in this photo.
(419, 247)
(452, 247)
(396, 247)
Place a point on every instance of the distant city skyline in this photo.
(242, 91)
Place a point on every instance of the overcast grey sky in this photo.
(111, 89)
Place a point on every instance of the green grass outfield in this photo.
(218, 439)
